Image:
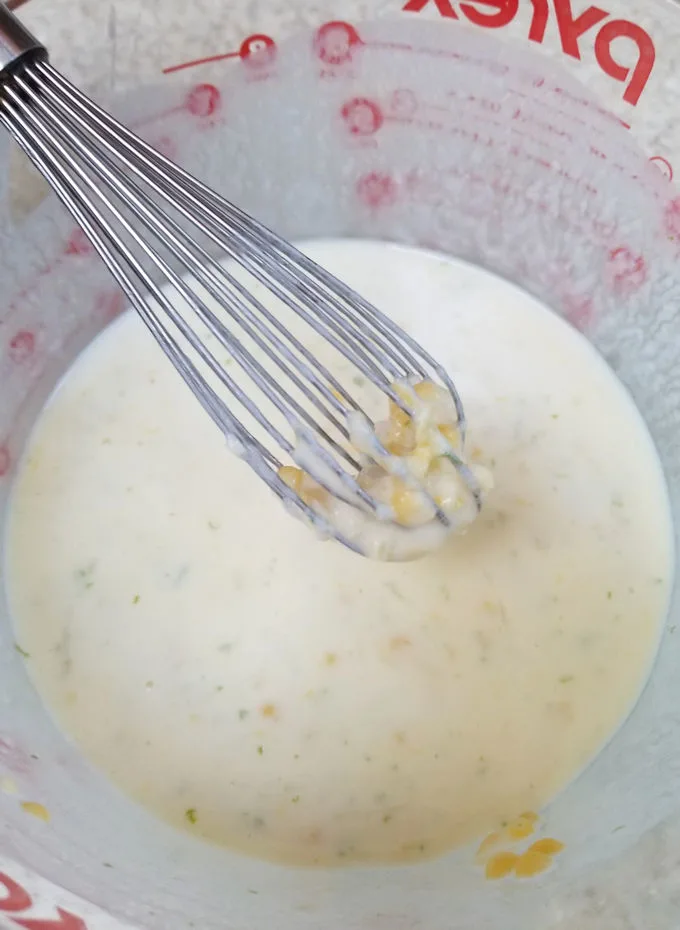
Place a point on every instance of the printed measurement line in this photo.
(200, 61)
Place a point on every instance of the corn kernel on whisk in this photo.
(161, 234)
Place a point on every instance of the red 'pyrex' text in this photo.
(494, 14)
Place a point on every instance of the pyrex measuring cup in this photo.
(532, 137)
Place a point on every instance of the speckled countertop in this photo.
(111, 47)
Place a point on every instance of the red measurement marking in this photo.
(336, 42)
(78, 244)
(165, 146)
(664, 166)
(5, 461)
(403, 102)
(199, 61)
(571, 28)
(672, 218)
(141, 125)
(203, 100)
(362, 116)
(628, 271)
(11, 756)
(376, 189)
(258, 50)
(108, 305)
(21, 346)
(578, 310)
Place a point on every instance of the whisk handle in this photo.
(16, 43)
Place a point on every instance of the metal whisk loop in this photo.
(162, 234)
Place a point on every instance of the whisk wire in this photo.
(265, 271)
(40, 143)
(163, 234)
(356, 310)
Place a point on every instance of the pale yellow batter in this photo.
(290, 699)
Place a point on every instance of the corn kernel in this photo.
(397, 438)
(291, 476)
(369, 476)
(450, 434)
(307, 489)
(421, 459)
(397, 415)
(532, 863)
(449, 502)
(312, 492)
(500, 865)
(36, 810)
(530, 816)
(548, 846)
(406, 503)
(403, 390)
(520, 828)
(427, 390)
(488, 843)
(441, 465)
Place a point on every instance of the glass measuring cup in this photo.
(348, 95)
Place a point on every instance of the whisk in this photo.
(162, 233)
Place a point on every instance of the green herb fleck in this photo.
(84, 574)
(219, 688)
(295, 799)
(252, 891)
(620, 827)
(609, 595)
(213, 526)
(107, 865)
(191, 815)
(22, 652)
(387, 818)
(260, 750)
(565, 679)
(242, 714)
(135, 599)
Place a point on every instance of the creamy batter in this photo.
(295, 701)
